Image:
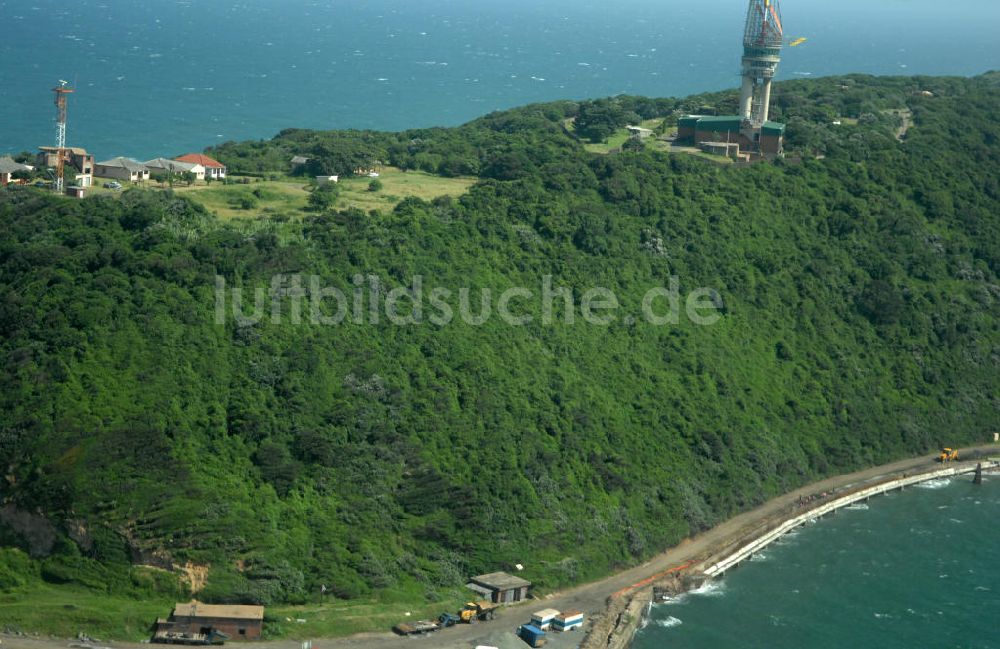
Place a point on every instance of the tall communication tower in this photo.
(761, 55)
(61, 92)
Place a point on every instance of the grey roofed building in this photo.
(500, 587)
(159, 167)
(300, 160)
(123, 169)
(165, 164)
(124, 163)
(9, 166)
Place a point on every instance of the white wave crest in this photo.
(710, 589)
(937, 483)
(669, 622)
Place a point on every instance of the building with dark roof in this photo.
(500, 587)
(197, 619)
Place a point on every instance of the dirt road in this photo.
(590, 598)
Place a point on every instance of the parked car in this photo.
(114, 184)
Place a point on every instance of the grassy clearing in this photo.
(64, 611)
(613, 143)
(619, 138)
(262, 198)
(343, 618)
(397, 185)
(289, 196)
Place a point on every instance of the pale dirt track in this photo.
(592, 597)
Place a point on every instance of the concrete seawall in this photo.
(719, 567)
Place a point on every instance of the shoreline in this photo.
(616, 606)
(632, 614)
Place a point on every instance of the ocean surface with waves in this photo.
(165, 77)
(918, 568)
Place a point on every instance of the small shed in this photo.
(195, 618)
(638, 132)
(326, 180)
(500, 587)
(76, 192)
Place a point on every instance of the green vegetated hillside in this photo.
(859, 325)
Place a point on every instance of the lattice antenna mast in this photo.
(61, 92)
(762, 41)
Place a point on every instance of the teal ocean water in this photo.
(165, 77)
(920, 568)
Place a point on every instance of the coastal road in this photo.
(590, 598)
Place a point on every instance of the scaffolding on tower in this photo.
(61, 92)
(762, 41)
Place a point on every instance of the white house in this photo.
(160, 167)
(214, 169)
(120, 168)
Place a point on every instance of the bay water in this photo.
(162, 78)
(917, 568)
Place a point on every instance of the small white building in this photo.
(120, 168)
(214, 169)
(326, 180)
(638, 132)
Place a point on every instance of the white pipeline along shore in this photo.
(628, 609)
(720, 567)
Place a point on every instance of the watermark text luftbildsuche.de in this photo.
(305, 299)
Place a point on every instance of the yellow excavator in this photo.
(948, 455)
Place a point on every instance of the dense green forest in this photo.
(860, 301)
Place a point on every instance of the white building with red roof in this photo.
(214, 169)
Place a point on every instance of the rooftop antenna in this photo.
(762, 42)
(61, 92)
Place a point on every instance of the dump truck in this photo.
(948, 455)
(476, 611)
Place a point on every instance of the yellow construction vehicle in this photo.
(475, 611)
(948, 455)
